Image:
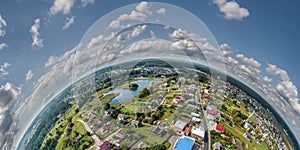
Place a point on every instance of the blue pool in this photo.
(184, 143)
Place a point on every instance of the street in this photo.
(206, 139)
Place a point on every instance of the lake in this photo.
(128, 94)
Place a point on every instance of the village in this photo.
(175, 111)
(231, 123)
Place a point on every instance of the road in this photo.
(111, 135)
(206, 139)
(94, 136)
(250, 116)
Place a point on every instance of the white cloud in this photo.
(285, 87)
(69, 22)
(137, 31)
(8, 95)
(140, 13)
(52, 60)
(267, 79)
(178, 34)
(144, 45)
(248, 61)
(3, 45)
(184, 45)
(232, 10)
(143, 7)
(226, 49)
(190, 41)
(167, 27)
(63, 6)
(231, 60)
(84, 3)
(3, 69)
(34, 30)
(2, 24)
(161, 11)
(274, 70)
(29, 75)
(99, 40)
(153, 35)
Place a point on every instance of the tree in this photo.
(106, 106)
(143, 93)
(133, 86)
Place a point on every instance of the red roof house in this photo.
(186, 131)
(211, 111)
(220, 128)
(105, 146)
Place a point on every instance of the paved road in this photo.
(94, 136)
(110, 136)
(206, 139)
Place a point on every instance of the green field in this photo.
(145, 135)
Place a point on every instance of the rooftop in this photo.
(198, 131)
(180, 124)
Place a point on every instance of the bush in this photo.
(133, 86)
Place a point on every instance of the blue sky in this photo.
(266, 34)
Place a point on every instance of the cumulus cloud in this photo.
(84, 3)
(34, 30)
(29, 75)
(184, 45)
(289, 91)
(63, 6)
(143, 45)
(267, 79)
(137, 31)
(2, 25)
(143, 7)
(3, 69)
(8, 95)
(274, 70)
(69, 21)
(189, 41)
(3, 45)
(283, 95)
(226, 49)
(153, 35)
(161, 11)
(285, 87)
(249, 61)
(140, 13)
(232, 10)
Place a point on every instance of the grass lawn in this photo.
(252, 118)
(61, 124)
(145, 134)
(169, 100)
(238, 133)
(168, 112)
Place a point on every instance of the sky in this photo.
(38, 37)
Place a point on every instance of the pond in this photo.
(126, 94)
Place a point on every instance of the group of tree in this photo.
(133, 86)
(46, 123)
(144, 92)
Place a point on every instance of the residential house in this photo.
(217, 146)
(105, 146)
(180, 125)
(197, 133)
(121, 116)
(104, 129)
(220, 128)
